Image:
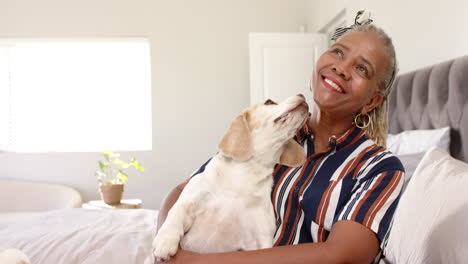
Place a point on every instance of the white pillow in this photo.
(430, 224)
(417, 141)
(410, 163)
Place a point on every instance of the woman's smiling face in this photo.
(347, 76)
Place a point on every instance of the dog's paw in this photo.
(165, 244)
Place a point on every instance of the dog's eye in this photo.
(270, 102)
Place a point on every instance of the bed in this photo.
(429, 98)
(86, 236)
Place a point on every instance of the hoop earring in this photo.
(365, 125)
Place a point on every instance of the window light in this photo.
(75, 95)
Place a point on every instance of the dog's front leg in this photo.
(178, 221)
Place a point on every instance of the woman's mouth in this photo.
(332, 85)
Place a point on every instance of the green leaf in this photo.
(107, 154)
(103, 165)
(137, 165)
(118, 162)
(122, 176)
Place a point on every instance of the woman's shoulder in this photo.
(381, 158)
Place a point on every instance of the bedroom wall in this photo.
(424, 31)
(200, 78)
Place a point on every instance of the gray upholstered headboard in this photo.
(434, 97)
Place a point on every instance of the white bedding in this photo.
(83, 236)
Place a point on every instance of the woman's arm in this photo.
(348, 242)
(169, 201)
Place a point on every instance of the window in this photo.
(75, 95)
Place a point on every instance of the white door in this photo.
(281, 64)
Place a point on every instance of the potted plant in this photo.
(111, 176)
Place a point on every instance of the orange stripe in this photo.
(323, 200)
(374, 147)
(288, 208)
(319, 218)
(345, 135)
(358, 137)
(275, 191)
(363, 199)
(380, 201)
(321, 230)
(324, 203)
(326, 197)
(322, 234)
(277, 169)
(390, 192)
(312, 172)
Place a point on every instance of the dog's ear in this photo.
(293, 154)
(236, 143)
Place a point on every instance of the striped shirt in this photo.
(355, 179)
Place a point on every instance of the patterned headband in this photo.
(362, 18)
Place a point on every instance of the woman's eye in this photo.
(361, 68)
(337, 52)
(270, 102)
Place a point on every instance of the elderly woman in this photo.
(338, 206)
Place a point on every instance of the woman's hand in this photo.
(183, 257)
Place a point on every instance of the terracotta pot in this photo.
(111, 193)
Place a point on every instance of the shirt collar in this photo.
(350, 136)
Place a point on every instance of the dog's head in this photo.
(265, 131)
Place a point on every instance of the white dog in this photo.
(13, 256)
(228, 206)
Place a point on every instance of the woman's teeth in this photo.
(334, 86)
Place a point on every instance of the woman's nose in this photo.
(341, 71)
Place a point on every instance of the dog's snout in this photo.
(301, 95)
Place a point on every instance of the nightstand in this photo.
(124, 204)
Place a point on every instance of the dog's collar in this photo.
(304, 133)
